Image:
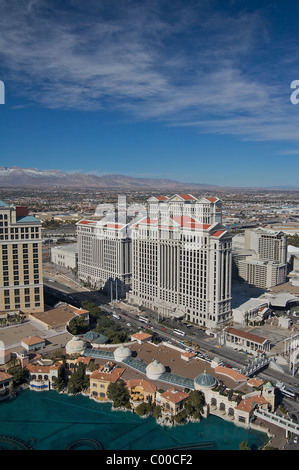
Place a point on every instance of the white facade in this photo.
(251, 311)
(181, 267)
(104, 255)
(65, 255)
(246, 341)
(207, 210)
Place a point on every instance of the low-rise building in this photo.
(246, 341)
(65, 255)
(172, 401)
(251, 311)
(141, 390)
(141, 337)
(58, 317)
(101, 378)
(33, 343)
(41, 376)
(5, 382)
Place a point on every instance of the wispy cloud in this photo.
(188, 65)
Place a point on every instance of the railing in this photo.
(255, 365)
(278, 420)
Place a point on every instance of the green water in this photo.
(50, 421)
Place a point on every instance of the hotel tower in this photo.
(21, 275)
(181, 260)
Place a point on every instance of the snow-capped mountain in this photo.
(22, 177)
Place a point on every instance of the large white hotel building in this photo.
(104, 256)
(176, 260)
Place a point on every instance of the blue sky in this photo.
(197, 91)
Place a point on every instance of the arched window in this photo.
(222, 407)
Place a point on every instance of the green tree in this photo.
(20, 375)
(78, 326)
(78, 381)
(157, 412)
(58, 383)
(142, 409)
(194, 403)
(118, 393)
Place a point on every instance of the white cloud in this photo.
(185, 65)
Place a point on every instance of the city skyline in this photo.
(198, 92)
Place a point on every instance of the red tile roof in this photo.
(33, 340)
(245, 334)
(141, 336)
(147, 386)
(5, 376)
(86, 222)
(218, 233)
(111, 225)
(112, 376)
(250, 403)
(174, 396)
(187, 197)
(212, 199)
(233, 374)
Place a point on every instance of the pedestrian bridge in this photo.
(255, 366)
(273, 418)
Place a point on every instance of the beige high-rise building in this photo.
(263, 262)
(21, 275)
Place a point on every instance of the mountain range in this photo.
(33, 177)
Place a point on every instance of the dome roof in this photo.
(155, 369)
(75, 346)
(91, 335)
(205, 380)
(122, 352)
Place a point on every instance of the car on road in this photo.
(163, 329)
(128, 324)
